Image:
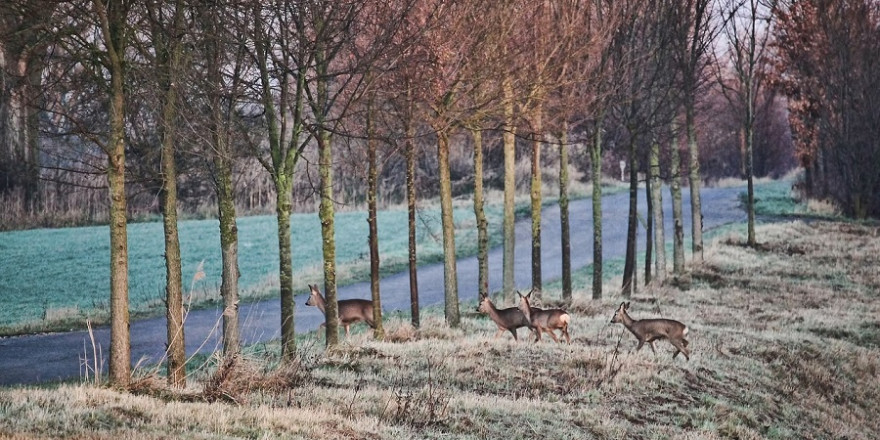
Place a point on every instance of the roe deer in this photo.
(649, 330)
(350, 310)
(545, 320)
(506, 319)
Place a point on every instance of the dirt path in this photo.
(47, 357)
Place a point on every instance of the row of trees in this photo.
(157, 95)
(828, 65)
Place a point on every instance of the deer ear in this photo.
(626, 306)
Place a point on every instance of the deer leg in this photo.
(651, 343)
(513, 332)
(641, 343)
(347, 334)
(498, 333)
(567, 337)
(537, 334)
(680, 347)
(553, 335)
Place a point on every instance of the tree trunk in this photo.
(657, 213)
(410, 148)
(450, 280)
(328, 231)
(536, 204)
(509, 141)
(565, 227)
(228, 250)
(649, 231)
(21, 69)
(596, 177)
(283, 208)
(695, 184)
(372, 208)
(677, 216)
(749, 156)
(168, 65)
(480, 215)
(224, 187)
(629, 268)
(114, 24)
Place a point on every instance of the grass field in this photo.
(785, 342)
(56, 279)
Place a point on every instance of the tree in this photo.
(282, 55)
(110, 51)
(696, 33)
(747, 42)
(166, 35)
(220, 91)
(23, 48)
(828, 66)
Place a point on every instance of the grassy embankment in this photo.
(785, 343)
(56, 279)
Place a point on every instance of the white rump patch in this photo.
(685, 332)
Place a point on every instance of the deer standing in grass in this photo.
(649, 330)
(508, 319)
(545, 320)
(350, 310)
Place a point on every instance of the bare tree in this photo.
(696, 31)
(166, 32)
(23, 47)
(220, 105)
(747, 33)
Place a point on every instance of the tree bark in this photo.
(677, 216)
(114, 22)
(509, 141)
(657, 213)
(649, 231)
(695, 182)
(565, 226)
(168, 56)
(224, 187)
(328, 231)
(372, 208)
(228, 248)
(536, 203)
(450, 280)
(596, 177)
(480, 215)
(283, 209)
(629, 268)
(410, 148)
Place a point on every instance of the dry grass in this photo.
(785, 343)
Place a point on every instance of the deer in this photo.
(650, 330)
(509, 319)
(544, 320)
(350, 310)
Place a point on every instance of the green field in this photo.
(53, 279)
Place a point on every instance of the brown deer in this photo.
(350, 310)
(508, 319)
(545, 320)
(649, 330)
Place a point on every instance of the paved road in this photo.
(48, 357)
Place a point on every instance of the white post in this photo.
(622, 167)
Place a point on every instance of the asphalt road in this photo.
(48, 357)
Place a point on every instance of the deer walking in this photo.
(650, 330)
(350, 310)
(545, 320)
(509, 319)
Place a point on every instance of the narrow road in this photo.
(48, 357)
